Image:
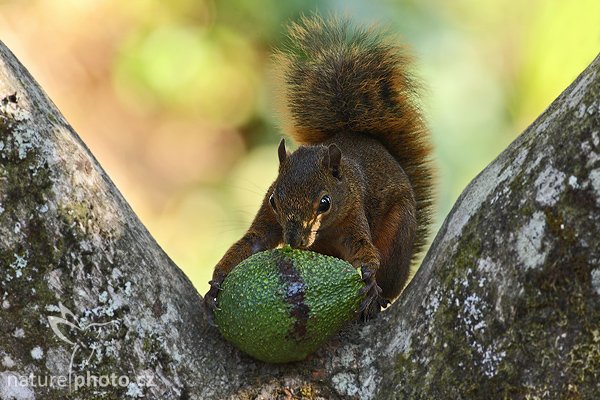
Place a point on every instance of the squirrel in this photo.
(359, 186)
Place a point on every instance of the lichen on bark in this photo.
(515, 311)
(69, 240)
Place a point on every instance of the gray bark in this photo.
(505, 305)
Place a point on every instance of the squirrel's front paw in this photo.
(373, 302)
(210, 298)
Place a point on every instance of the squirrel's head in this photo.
(308, 194)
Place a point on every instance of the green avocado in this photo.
(280, 305)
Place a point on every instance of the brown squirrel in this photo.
(360, 185)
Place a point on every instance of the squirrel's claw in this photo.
(210, 299)
(373, 302)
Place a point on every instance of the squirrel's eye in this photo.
(272, 202)
(324, 204)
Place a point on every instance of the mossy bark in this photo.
(505, 305)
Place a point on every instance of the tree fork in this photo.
(505, 304)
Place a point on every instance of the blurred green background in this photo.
(173, 97)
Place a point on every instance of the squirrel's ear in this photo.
(332, 160)
(281, 151)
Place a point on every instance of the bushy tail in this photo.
(339, 78)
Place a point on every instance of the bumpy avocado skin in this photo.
(280, 305)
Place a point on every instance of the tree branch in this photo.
(506, 303)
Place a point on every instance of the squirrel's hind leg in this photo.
(394, 239)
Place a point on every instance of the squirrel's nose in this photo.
(294, 240)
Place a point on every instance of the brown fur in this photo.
(340, 79)
(348, 89)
